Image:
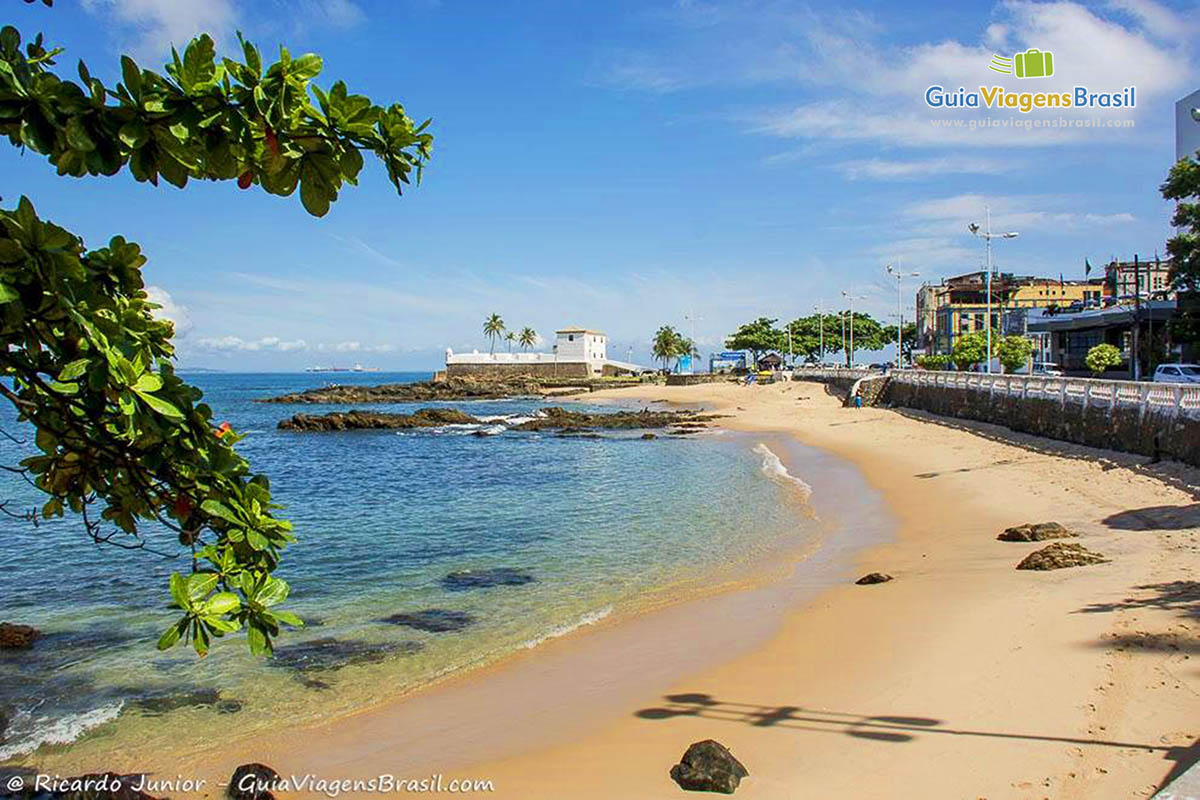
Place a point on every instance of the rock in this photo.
(708, 766)
(433, 620)
(4, 717)
(17, 637)
(1060, 555)
(481, 388)
(648, 436)
(468, 579)
(873, 577)
(329, 654)
(560, 419)
(156, 705)
(252, 782)
(1035, 532)
(374, 420)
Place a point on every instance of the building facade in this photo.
(959, 305)
(1187, 126)
(1125, 279)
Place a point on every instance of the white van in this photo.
(1177, 373)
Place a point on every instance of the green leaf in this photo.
(132, 77)
(161, 406)
(7, 293)
(259, 643)
(217, 509)
(148, 383)
(199, 584)
(288, 618)
(256, 539)
(275, 591)
(171, 635)
(74, 369)
(222, 603)
(179, 590)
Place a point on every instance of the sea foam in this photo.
(774, 469)
(590, 618)
(33, 732)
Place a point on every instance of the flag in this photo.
(1087, 268)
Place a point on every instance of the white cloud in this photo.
(354, 346)
(155, 25)
(236, 343)
(1012, 212)
(170, 310)
(881, 169)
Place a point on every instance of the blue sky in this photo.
(618, 164)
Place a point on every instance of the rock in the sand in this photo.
(467, 579)
(17, 637)
(1035, 532)
(377, 420)
(708, 766)
(252, 782)
(873, 577)
(1060, 555)
(433, 620)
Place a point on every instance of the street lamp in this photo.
(850, 298)
(896, 273)
(821, 328)
(987, 237)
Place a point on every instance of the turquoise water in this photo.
(596, 527)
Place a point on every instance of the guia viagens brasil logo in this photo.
(1033, 63)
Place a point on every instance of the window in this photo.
(570, 337)
(1170, 371)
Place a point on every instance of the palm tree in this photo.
(492, 328)
(510, 337)
(527, 338)
(685, 347)
(666, 344)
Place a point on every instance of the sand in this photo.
(961, 678)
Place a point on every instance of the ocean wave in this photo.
(31, 732)
(590, 618)
(774, 469)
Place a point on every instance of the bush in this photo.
(1102, 357)
(970, 350)
(938, 362)
(1014, 352)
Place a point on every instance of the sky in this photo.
(625, 165)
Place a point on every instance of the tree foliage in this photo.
(760, 336)
(209, 118)
(123, 442)
(669, 343)
(970, 350)
(806, 335)
(493, 328)
(1183, 186)
(1013, 352)
(1101, 357)
(934, 362)
(527, 338)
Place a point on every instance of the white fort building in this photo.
(577, 353)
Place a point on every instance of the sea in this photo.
(554, 533)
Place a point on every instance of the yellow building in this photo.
(959, 305)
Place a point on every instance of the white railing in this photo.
(837, 373)
(1170, 398)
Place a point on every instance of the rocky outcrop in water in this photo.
(874, 577)
(1035, 532)
(1061, 555)
(156, 705)
(555, 418)
(329, 654)
(17, 637)
(432, 620)
(708, 766)
(372, 420)
(449, 389)
(468, 579)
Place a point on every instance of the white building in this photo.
(1187, 126)
(577, 353)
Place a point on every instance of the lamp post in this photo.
(987, 236)
(850, 298)
(896, 273)
(692, 318)
(821, 330)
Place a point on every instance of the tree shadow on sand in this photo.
(883, 728)
(1166, 518)
(1181, 596)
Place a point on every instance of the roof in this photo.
(1151, 310)
(577, 329)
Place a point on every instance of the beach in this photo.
(963, 677)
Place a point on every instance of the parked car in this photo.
(1177, 373)
(1046, 368)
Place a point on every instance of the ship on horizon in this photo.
(355, 368)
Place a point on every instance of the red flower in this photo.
(224, 429)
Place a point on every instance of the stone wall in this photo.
(575, 369)
(1129, 428)
(699, 377)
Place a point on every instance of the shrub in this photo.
(1102, 357)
